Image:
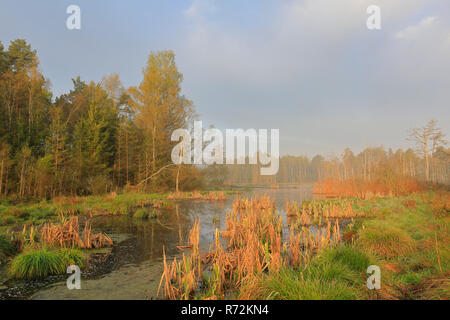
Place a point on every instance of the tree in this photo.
(95, 137)
(160, 108)
(428, 138)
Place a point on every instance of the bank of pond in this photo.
(264, 244)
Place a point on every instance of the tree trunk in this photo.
(1, 175)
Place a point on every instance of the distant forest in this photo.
(370, 164)
(102, 137)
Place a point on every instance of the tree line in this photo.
(94, 139)
(429, 162)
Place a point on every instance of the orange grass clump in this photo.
(316, 211)
(67, 234)
(254, 203)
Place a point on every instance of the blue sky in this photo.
(308, 67)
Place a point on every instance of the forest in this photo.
(369, 164)
(94, 139)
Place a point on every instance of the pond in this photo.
(132, 268)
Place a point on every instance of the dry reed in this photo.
(67, 234)
(254, 245)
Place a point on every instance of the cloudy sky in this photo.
(308, 67)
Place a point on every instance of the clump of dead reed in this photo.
(180, 278)
(256, 203)
(315, 212)
(251, 244)
(67, 234)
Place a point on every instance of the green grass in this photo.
(16, 212)
(288, 285)
(141, 214)
(349, 256)
(37, 212)
(385, 240)
(407, 237)
(71, 257)
(6, 245)
(153, 214)
(414, 239)
(335, 274)
(6, 248)
(41, 263)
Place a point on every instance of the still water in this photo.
(133, 267)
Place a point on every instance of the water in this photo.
(133, 267)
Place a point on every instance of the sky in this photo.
(310, 68)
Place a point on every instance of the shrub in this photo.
(97, 185)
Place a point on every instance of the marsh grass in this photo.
(67, 233)
(7, 248)
(250, 245)
(45, 210)
(408, 237)
(335, 273)
(320, 280)
(37, 212)
(6, 245)
(40, 263)
(141, 214)
(317, 211)
(386, 240)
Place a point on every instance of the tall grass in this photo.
(67, 233)
(334, 274)
(316, 211)
(254, 245)
(385, 240)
